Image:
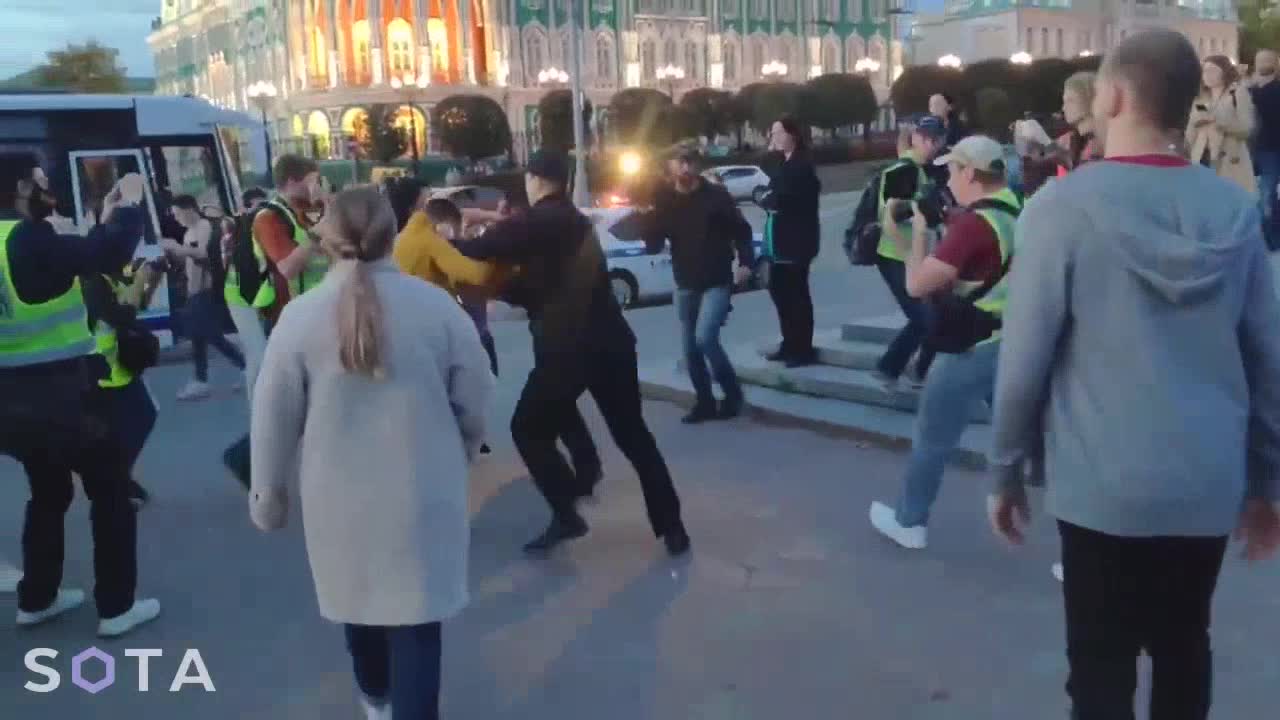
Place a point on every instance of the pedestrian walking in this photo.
(1222, 119)
(374, 392)
(581, 343)
(969, 269)
(1265, 94)
(1142, 296)
(204, 301)
(791, 240)
(705, 230)
(46, 421)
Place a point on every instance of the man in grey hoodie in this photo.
(1143, 335)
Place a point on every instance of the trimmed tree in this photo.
(381, 141)
(637, 114)
(555, 118)
(472, 126)
(838, 100)
(994, 113)
(710, 111)
(89, 68)
(911, 91)
(1044, 85)
(775, 100)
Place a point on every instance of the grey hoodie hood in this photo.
(1170, 229)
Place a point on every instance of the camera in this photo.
(930, 205)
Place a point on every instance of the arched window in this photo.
(360, 49)
(760, 9)
(438, 35)
(319, 63)
(648, 58)
(758, 58)
(730, 62)
(604, 58)
(691, 63)
(535, 53)
(400, 46)
(830, 58)
(669, 52)
(729, 8)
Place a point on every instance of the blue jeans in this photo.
(702, 314)
(204, 318)
(908, 339)
(400, 665)
(956, 387)
(1267, 164)
(132, 416)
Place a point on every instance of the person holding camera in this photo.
(48, 420)
(966, 274)
(926, 140)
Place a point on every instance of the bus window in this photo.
(94, 173)
(193, 170)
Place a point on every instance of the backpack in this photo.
(862, 237)
(244, 260)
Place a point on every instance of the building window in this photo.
(1044, 42)
(729, 8)
(691, 60)
(360, 41)
(438, 36)
(757, 56)
(1030, 43)
(669, 52)
(648, 58)
(400, 44)
(730, 62)
(760, 9)
(604, 58)
(830, 58)
(786, 10)
(1059, 39)
(535, 53)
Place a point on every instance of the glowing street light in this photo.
(774, 70)
(630, 163)
(1020, 58)
(950, 61)
(552, 75)
(671, 74)
(1086, 53)
(867, 65)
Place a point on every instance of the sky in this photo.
(34, 27)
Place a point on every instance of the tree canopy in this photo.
(636, 115)
(88, 68)
(837, 100)
(380, 140)
(710, 111)
(472, 126)
(1259, 28)
(555, 118)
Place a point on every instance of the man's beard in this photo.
(40, 205)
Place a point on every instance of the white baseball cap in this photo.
(976, 151)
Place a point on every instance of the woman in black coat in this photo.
(792, 199)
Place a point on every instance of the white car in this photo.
(740, 180)
(634, 274)
(470, 196)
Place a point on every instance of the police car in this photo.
(636, 276)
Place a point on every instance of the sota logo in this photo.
(94, 670)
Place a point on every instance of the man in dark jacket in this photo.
(704, 227)
(46, 423)
(581, 343)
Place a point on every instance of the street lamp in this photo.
(867, 65)
(552, 75)
(950, 61)
(1086, 53)
(774, 70)
(672, 74)
(1020, 58)
(407, 85)
(263, 94)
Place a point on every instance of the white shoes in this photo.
(142, 612)
(885, 520)
(9, 578)
(66, 601)
(375, 712)
(1057, 571)
(195, 390)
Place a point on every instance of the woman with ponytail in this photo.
(373, 392)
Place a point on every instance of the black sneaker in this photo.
(700, 414)
(777, 356)
(730, 408)
(677, 541)
(560, 531)
(588, 479)
(804, 360)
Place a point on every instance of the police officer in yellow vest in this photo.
(971, 263)
(927, 139)
(113, 301)
(47, 420)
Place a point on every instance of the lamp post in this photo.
(581, 191)
(263, 94)
(867, 65)
(672, 74)
(552, 76)
(774, 70)
(1020, 58)
(950, 61)
(407, 85)
(1086, 53)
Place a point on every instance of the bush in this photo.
(711, 111)
(837, 100)
(994, 113)
(911, 92)
(772, 101)
(472, 126)
(636, 116)
(555, 120)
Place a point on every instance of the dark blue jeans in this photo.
(131, 414)
(1267, 164)
(204, 324)
(912, 334)
(400, 665)
(702, 314)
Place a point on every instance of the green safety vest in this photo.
(109, 348)
(316, 267)
(887, 247)
(46, 332)
(1003, 224)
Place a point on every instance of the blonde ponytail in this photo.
(364, 229)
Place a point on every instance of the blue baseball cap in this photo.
(931, 126)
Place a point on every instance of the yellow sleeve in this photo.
(458, 269)
(410, 251)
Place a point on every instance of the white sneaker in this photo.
(195, 390)
(885, 520)
(66, 601)
(142, 612)
(10, 576)
(374, 711)
(1057, 571)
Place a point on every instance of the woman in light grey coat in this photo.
(373, 392)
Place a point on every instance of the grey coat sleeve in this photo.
(470, 381)
(1035, 318)
(279, 415)
(1260, 350)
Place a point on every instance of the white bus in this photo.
(181, 145)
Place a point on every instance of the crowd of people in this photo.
(1024, 292)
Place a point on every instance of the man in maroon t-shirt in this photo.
(968, 257)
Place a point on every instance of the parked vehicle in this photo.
(740, 180)
(470, 196)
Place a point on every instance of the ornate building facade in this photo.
(329, 61)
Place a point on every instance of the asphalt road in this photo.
(790, 606)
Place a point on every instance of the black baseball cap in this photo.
(931, 126)
(549, 165)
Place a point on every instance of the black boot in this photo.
(676, 540)
(588, 479)
(700, 414)
(561, 530)
(730, 407)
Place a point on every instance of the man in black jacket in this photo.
(46, 421)
(704, 227)
(581, 343)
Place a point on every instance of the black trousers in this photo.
(55, 428)
(548, 410)
(911, 337)
(789, 288)
(1127, 595)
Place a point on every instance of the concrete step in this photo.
(882, 426)
(828, 381)
(834, 350)
(873, 330)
